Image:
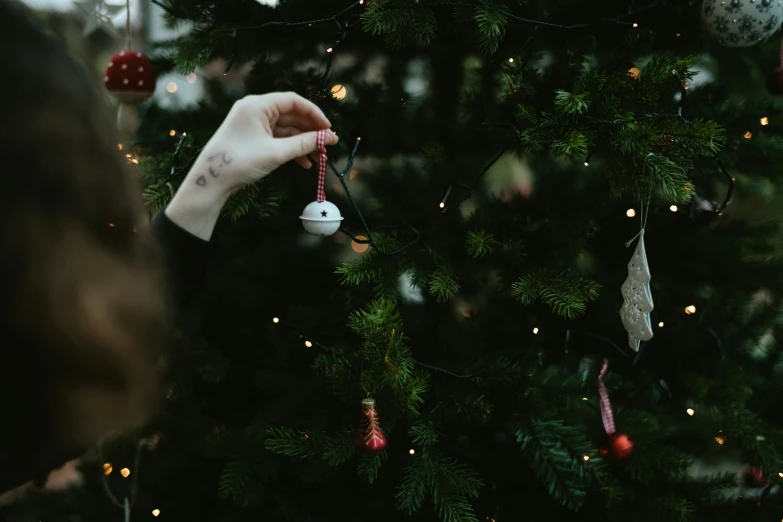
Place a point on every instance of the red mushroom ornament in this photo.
(129, 78)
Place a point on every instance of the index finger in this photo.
(290, 103)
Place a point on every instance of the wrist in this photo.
(197, 205)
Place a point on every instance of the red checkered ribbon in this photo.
(321, 141)
(606, 406)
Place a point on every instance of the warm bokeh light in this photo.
(352, 175)
(690, 411)
(339, 92)
(275, 320)
(111, 225)
(587, 163)
(690, 310)
(125, 472)
(720, 440)
(584, 398)
(119, 146)
(635, 24)
(510, 60)
(535, 331)
(155, 512)
(630, 212)
(660, 325)
(586, 457)
(172, 132)
(412, 451)
(172, 87)
(359, 247)
(308, 344)
(442, 204)
(764, 120)
(634, 72)
(673, 208)
(329, 50)
(191, 78)
(107, 469)
(748, 135)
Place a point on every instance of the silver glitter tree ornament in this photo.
(637, 298)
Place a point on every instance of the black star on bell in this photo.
(323, 213)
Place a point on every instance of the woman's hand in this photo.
(260, 134)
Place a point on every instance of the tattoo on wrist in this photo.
(217, 162)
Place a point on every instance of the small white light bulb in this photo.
(275, 320)
(586, 457)
(125, 472)
(535, 331)
(155, 512)
(690, 310)
(510, 60)
(308, 344)
(412, 451)
(690, 411)
(660, 325)
(630, 212)
(673, 208)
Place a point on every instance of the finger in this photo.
(304, 162)
(284, 132)
(285, 103)
(300, 145)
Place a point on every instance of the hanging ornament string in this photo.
(645, 211)
(606, 406)
(322, 164)
(128, 23)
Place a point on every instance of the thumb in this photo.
(301, 145)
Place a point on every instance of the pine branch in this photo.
(370, 465)
(566, 293)
(443, 284)
(556, 453)
(479, 243)
(449, 484)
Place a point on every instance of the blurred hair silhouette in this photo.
(82, 318)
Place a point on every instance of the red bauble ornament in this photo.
(370, 438)
(131, 80)
(621, 446)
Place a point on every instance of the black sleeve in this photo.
(184, 258)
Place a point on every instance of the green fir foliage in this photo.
(556, 453)
(566, 293)
(449, 485)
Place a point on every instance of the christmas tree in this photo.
(508, 152)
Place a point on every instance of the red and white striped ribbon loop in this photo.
(606, 406)
(321, 141)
